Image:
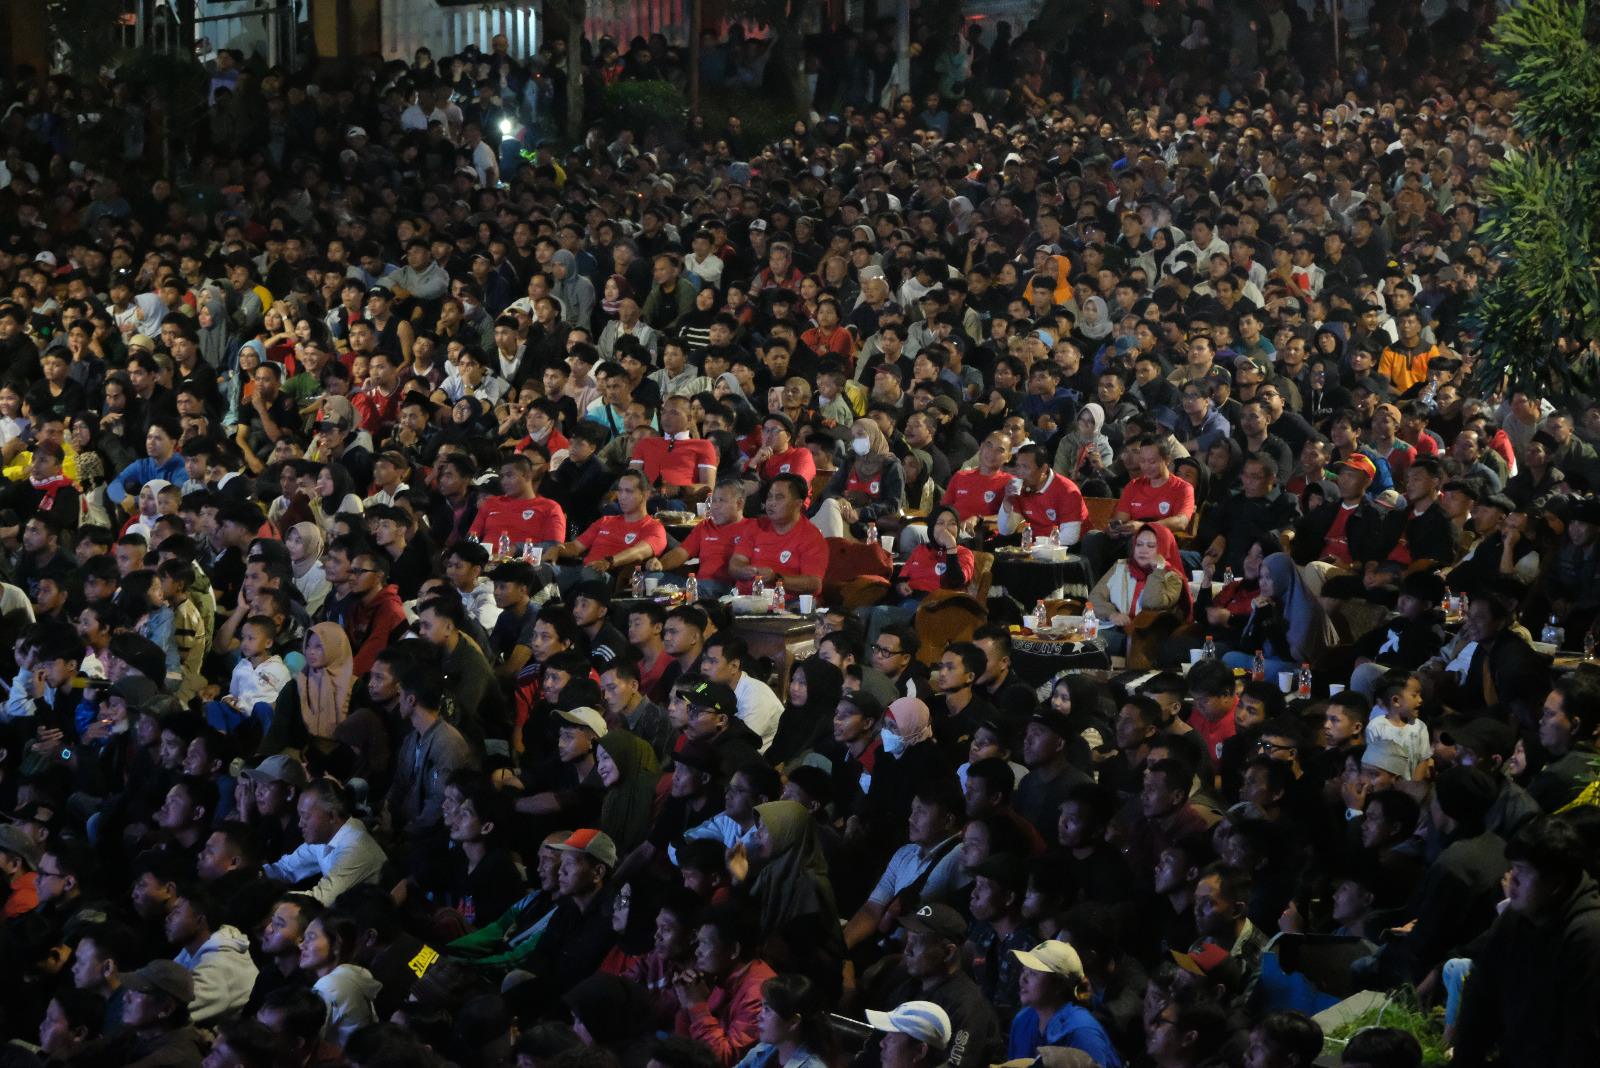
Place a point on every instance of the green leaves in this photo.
(1541, 215)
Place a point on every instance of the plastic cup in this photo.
(807, 604)
(887, 541)
(535, 555)
(1195, 654)
(700, 509)
(1197, 576)
(1335, 687)
(1286, 681)
(651, 583)
(1031, 622)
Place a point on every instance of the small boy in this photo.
(257, 679)
(831, 404)
(188, 628)
(1394, 719)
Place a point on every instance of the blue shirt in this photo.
(1073, 1027)
(146, 470)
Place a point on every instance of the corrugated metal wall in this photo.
(410, 24)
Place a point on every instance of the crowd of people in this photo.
(336, 730)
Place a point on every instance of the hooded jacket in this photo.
(350, 992)
(370, 625)
(223, 974)
(1531, 993)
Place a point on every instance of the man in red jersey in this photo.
(1046, 500)
(1157, 496)
(519, 512)
(779, 455)
(613, 541)
(785, 544)
(979, 491)
(682, 465)
(712, 541)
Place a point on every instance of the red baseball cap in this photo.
(1361, 462)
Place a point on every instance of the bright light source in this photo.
(505, 127)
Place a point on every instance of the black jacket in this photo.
(1243, 520)
(1364, 532)
(1429, 536)
(1532, 989)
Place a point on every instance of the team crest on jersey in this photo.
(988, 497)
(1050, 514)
(873, 487)
(783, 557)
(528, 514)
(784, 469)
(1164, 507)
(628, 538)
(938, 569)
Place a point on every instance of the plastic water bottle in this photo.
(1041, 616)
(1027, 538)
(1091, 624)
(691, 589)
(872, 534)
(636, 583)
(1554, 633)
(1450, 602)
(1548, 635)
(1227, 576)
(1588, 645)
(1208, 651)
(778, 599)
(757, 587)
(1258, 670)
(527, 552)
(503, 546)
(1305, 680)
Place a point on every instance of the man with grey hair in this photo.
(337, 845)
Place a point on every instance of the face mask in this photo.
(893, 744)
(861, 445)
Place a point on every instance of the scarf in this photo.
(1309, 629)
(629, 804)
(57, 481)
(870, 466)
(624, 291)
(1101, 327)
(793, 882)
(1167, 559)
(312, 535)
(214, 338)
(912, 721)
(325, 691)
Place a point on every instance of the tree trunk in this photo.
(790, 48)
(694, 57)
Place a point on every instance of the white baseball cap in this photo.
(585, 717)
(1054, 956)
(922, 1020)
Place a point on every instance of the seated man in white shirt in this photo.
(723, 661)
(337, 847)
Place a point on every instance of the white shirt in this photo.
(351, 858)
(759, 707)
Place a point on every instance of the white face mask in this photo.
(893, 744)
(861, 445)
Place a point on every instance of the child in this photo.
(991, 738)
(257, 679)
(1394, 720)
(831, 404)
(188, 628)
(140, 596)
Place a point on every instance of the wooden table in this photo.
(779, 636)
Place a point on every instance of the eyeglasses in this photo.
(881, 651)
(51, 874)
(360, 570)
(1266, 745)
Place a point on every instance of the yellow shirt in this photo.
(17, 469)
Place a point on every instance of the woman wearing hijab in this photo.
(793, 896)
(1150, 579)
(1073, 454)
(573, 290)
(305, 542)
(911, 758)
(216, 337)
(921, 493)
(814, 688)
(336, 492)
(617, 290)
(1196, 474)
(627, 766)
(1221, 616)
(1286, 622)
(310, 709)
(940, 563)
(1093, 327)
(870, 487)
(149, 509)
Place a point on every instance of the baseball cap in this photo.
(1200, 961)
(1058, 722)
(1484, 735)
(922, 1020)
(35, 812)
(355, 131)
(142, 341)
(1007, 869)
(380, 291)
(14, 839)
(1359, 462)
(1046, 336)
(337, 414)
(47, 258)
(783, 421)
(758, 225)
(279, 768)
(584, 717)
(701, 756)
(164, 977)
(941, 921)
(718, 697)
(596, 844)
(1053, 956)
(944, 404)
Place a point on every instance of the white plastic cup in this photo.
(700, 509)
(1195, 655)
(887, 541)
(807, 604)
(1031, 622)
(535, 555)
(1197, 576)
(651, 582)
(1286, 681)
(1335, 687)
